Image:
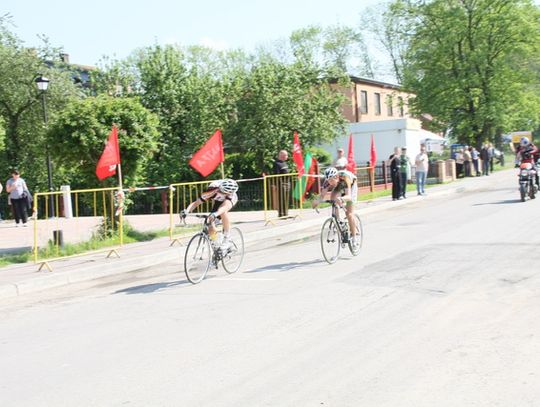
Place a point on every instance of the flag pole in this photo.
(121, 204)
(222, 171)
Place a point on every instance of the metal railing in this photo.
(88, 216)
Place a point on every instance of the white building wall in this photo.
(387, 134)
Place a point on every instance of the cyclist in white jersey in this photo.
(223, 194)
(343, 189)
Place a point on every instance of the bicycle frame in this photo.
(216, 254)
(342, 225)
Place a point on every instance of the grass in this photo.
(94, 244)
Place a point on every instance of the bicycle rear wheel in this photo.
(197, 258)
(355, 245)
(234, 254)
(330, 240)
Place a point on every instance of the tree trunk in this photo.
(13, 146)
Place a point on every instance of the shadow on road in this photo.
(285, 266)
(150, 288)
(504, 202)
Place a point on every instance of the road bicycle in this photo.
(202, 252)
(335, 234)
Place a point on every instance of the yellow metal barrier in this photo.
(92, 216)
(180, 196)
(250, 199)
(283, 193)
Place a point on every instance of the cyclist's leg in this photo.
(349, 211)
(333, 196)
(223, 213)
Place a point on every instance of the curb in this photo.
(289, 232)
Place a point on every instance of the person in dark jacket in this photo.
(281, 184)
(484, 156)
(394, 173)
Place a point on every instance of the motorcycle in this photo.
(527, 181)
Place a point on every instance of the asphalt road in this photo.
(440, 309)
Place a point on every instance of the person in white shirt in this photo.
(18, 194)
(422, 166)
(341, 160)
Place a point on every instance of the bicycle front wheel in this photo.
(330, 240)
(355, 244)
(233, 255)
(197, 258)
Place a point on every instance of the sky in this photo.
(88, 30)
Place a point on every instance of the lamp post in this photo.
(43, 84)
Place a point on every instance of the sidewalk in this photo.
(23, 279)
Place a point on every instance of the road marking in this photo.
(243, 279)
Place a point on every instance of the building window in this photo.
(363, 102)
(389, 105)
(400, 105)
(378, 104)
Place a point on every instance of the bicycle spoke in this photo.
(330, 240)
(197, 258)
(233, 255)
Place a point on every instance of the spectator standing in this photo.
(18, 194)
(484, 156)
(467, 161)
(394, 173)
(422, 165)
(341, 161)
(282, 186)
(491, 153)
(404, 172)
(459, 162)
(475, 155)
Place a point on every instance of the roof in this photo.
(365, 81)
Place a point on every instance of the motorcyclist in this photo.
(527, 152)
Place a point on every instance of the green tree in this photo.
(24, 142)
(192, 95)
(279, 98)
(80, 132)
(469, 63)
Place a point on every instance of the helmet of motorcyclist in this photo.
(330, 172)
(524, 142)
(228, 186)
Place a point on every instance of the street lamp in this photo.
(43, 84)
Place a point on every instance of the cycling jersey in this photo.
(213, 192)
(346, 180)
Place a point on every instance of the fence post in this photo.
(265, 196)
(171, 189)
(441, 173)
(385, 174)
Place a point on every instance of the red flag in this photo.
(110, 158)
(209, 156)
(373, 153)
(313, 170)
(351, 164)
(297, 155)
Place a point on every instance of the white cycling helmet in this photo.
(524, 142)
(330, 172)
(228, 186)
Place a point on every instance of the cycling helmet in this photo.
(524, 142)
(228, 186)
(330, 172)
